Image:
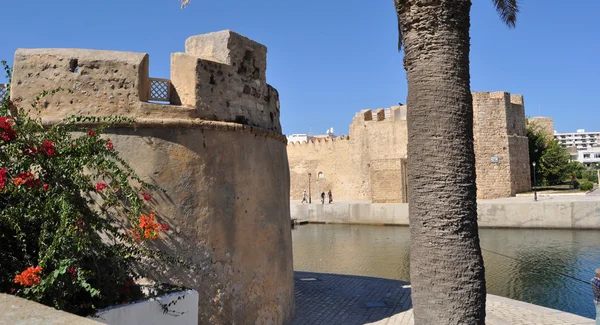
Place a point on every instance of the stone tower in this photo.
(216, 148)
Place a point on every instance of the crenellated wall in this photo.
(361, 166)
(501, 145)
(220, 156)
(371, 163)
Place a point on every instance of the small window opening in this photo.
(74, 65)
(321, 175)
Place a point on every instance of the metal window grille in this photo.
(160, 90)
(3, 91)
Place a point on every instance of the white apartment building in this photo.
(589, 156)
(298, 138)
(581, 140)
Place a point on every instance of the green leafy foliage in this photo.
(586, 186)
(552, 160)
(72, 225)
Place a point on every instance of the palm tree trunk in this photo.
(446, 266)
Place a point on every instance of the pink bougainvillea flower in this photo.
(7, 133)
(100, 186)
(109, 145)
(72, 270)
(92, 133)
(46, 187)
(147, 196)
(48, 149)
(31, 151)
(2, 178)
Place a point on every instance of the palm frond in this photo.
(184, 2)
(398, 6)
(507, 9)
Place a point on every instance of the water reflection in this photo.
(528, 265)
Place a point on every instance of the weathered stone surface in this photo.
(15, 310)
(248, 57)
(226, 215)
(499, 133)
(219, 92)
(95, 82)
(371, 165)
(221, 160)
(519, 212)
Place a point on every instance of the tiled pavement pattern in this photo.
(345, 299)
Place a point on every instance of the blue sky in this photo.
(330, 59)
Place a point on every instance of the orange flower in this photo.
(29, 277)
(27, 179)
(148, 228)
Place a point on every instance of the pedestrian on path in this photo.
(303, 196)
(330, 197)
(322, 197)
(596, 290)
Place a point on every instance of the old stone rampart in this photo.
(216, 148)
(501, 145)
(371, 163)
(363, 165)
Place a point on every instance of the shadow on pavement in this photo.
(323, 298)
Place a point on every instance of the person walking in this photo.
(303, 196)
(322, 197)
(596, 290)
(330, 196)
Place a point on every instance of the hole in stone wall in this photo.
(248, 65)
(321, 175)
(73, 65)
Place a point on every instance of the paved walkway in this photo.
(330, 299)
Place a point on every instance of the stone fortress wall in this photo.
(366, 165)
(370, 163)
(499, 130)
(217, 150)
(545, 125)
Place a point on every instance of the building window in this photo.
(586, 155)
(321, 175)
(597, 155)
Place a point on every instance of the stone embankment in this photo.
(560, 212)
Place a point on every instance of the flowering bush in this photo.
(72, 226)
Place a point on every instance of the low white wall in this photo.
(575, 214)
(150, 312)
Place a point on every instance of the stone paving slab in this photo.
(331, 299)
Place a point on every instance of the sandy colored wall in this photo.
(363, 166)
(499, 131)
(228, 217)
(223, 165)
(371, 165)
(519, 164)
(95, 82)
(332, 158)
(490, 214)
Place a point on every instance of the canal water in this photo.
(543, 267)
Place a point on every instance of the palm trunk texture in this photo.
(446, 265)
